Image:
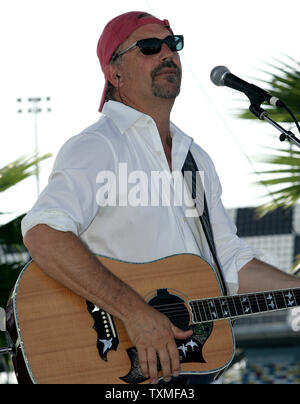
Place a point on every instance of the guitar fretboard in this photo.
(205, 310)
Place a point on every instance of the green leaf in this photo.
(277, 181)
(288, 171)
(18, 170)
(10, 233)
(8, 275)
(13, 253)
(284, 160)
(284, 84)
(13, 256)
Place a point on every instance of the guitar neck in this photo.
(232, 307)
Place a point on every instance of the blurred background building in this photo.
(268, 345)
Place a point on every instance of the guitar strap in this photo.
(198, 195)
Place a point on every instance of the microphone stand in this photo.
(262, 114)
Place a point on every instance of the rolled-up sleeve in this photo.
(69, 202)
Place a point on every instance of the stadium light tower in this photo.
(34, 107)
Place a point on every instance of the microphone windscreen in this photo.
(217, 75)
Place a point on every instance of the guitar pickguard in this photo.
(190, 350)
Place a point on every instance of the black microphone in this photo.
(221, 76)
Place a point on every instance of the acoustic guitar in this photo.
(60, 338)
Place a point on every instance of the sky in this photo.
(48, 49)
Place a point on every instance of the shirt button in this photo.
(159, 153)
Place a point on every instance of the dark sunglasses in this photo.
(152, 46)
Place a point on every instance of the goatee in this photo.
(163, 90)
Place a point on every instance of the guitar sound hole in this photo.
(173, 307)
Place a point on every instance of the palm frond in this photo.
(13, 253)
(11, 236)
(277, 181)
(288, 171)
(18, 170)
(284, 161)
(287, 180)
(13, 256)
(9, 274)
(283, 83)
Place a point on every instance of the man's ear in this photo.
(113, 75)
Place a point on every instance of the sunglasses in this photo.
(152, 46)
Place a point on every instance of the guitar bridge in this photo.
(104, 326)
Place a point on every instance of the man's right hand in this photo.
(152, 333)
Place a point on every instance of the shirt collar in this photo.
(122, 115)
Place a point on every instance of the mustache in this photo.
(168, 64)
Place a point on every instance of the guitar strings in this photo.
(260, 299)
(257, 296)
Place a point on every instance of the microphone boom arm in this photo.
(262, 114)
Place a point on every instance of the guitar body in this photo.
(62, 339)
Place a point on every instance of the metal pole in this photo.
(35, 110)
(4, 351)
(261, 114)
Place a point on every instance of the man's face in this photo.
(148, 77)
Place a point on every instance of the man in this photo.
(72, 220)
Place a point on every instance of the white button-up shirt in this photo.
(100, 189)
